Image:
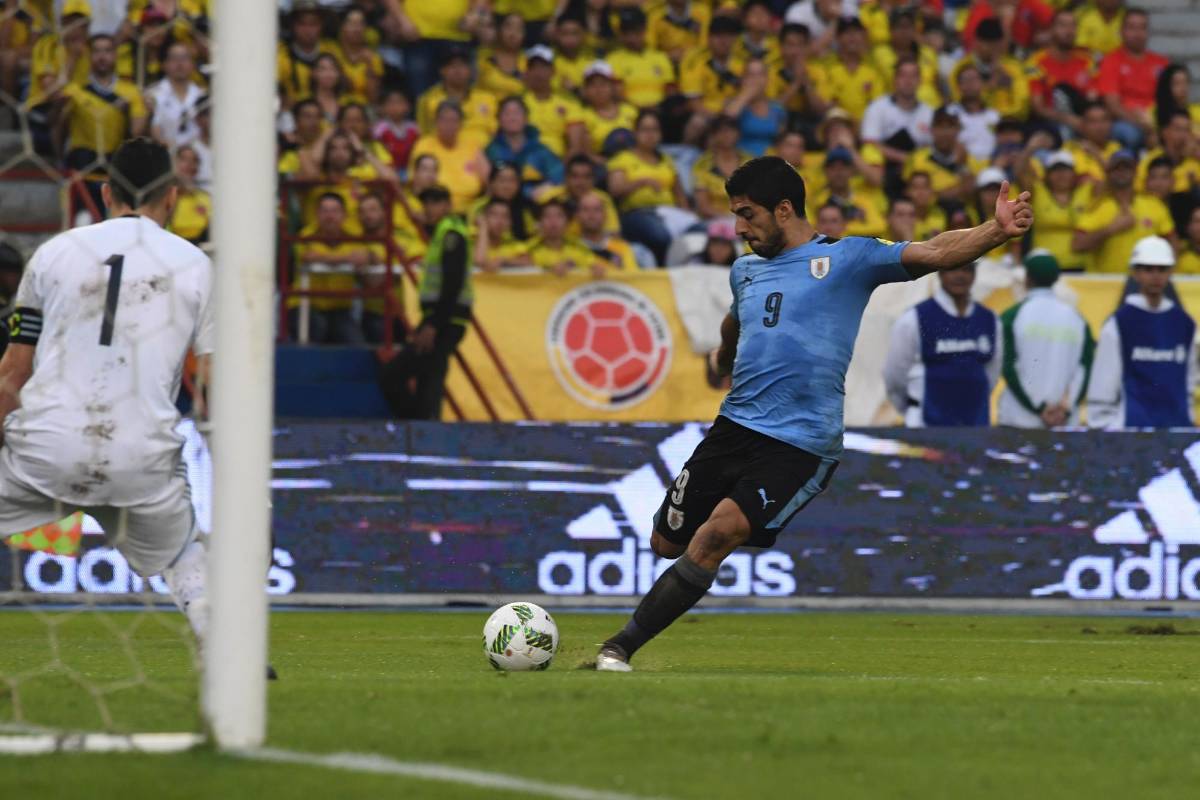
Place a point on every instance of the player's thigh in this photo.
(779, 482)
(705, 480)
(22, 507)
(152, 535)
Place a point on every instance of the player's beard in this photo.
(769, 246)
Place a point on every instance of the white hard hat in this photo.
(990, 176)
(1153, 251)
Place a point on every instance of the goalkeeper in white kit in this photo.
(104, 318)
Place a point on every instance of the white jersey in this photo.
(122, 301)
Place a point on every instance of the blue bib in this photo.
(955, 352)
(1155, 349)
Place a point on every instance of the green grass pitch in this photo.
(876, 705)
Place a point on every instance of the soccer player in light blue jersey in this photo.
(788, 338)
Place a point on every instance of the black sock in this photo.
(676, 590)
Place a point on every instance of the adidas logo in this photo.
(1166, 521)
(634, 568)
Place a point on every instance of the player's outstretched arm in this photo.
(952, 249)
(15, 370)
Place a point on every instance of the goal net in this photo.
(96, 656)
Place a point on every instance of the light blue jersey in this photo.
(799, 315)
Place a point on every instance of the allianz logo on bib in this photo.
(1176, 354)
(1166, 521)
(981, 345)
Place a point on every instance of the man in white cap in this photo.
(1048, 350)
(557, 115)
(944, 356)
(1145, 368)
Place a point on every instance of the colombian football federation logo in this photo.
(609, 345)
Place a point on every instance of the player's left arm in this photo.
(16, 368)
(720, 360)
(953, 249)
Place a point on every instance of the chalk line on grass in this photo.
(382, 765)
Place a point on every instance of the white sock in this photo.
(186, 580)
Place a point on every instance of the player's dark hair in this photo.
(434, 194)
(140, 172)
(767, 181)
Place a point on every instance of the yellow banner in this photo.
(581, 349)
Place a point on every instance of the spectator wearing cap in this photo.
(642, 181)
(757, 39)
(831, 221)
(903, 43)
(861, 206)
(1005, 87)
(1060, 75)
(1060, 200)
(571, 55)
(944, 356)
(11, 268)
(501, 67)
(296, 55)
(946, 161)
(478, 106)
(678, 27)
(519, 143)
(711, 76)
(850, 78)
(1189, 254)
(1118, 218)
(1178, 148)
(172, 101)
(554, 251)
(1145, 368)
(821, 17)
(591, 220)
(360, 62)
(608, 118)
(413, 382)
(978, 119)
(759, 117)
(1100, 26)
(430, 30)
(795, 80)
(1127, 78)
(645, 75)
(931, 219)
(1094, 146)
(715, 165)
(898, 123)
(462, 166)
(1048, 349)
(557, 115)
(988, 184)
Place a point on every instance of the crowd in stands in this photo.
(591, 135)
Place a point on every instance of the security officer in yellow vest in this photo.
(413, 382)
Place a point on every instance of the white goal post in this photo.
(242, 395)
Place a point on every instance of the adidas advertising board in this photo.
(564, 510)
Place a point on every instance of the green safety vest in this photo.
(430, 289)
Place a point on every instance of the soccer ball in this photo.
(520, 637)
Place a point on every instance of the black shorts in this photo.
(770, 481)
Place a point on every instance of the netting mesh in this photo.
(88, 645)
